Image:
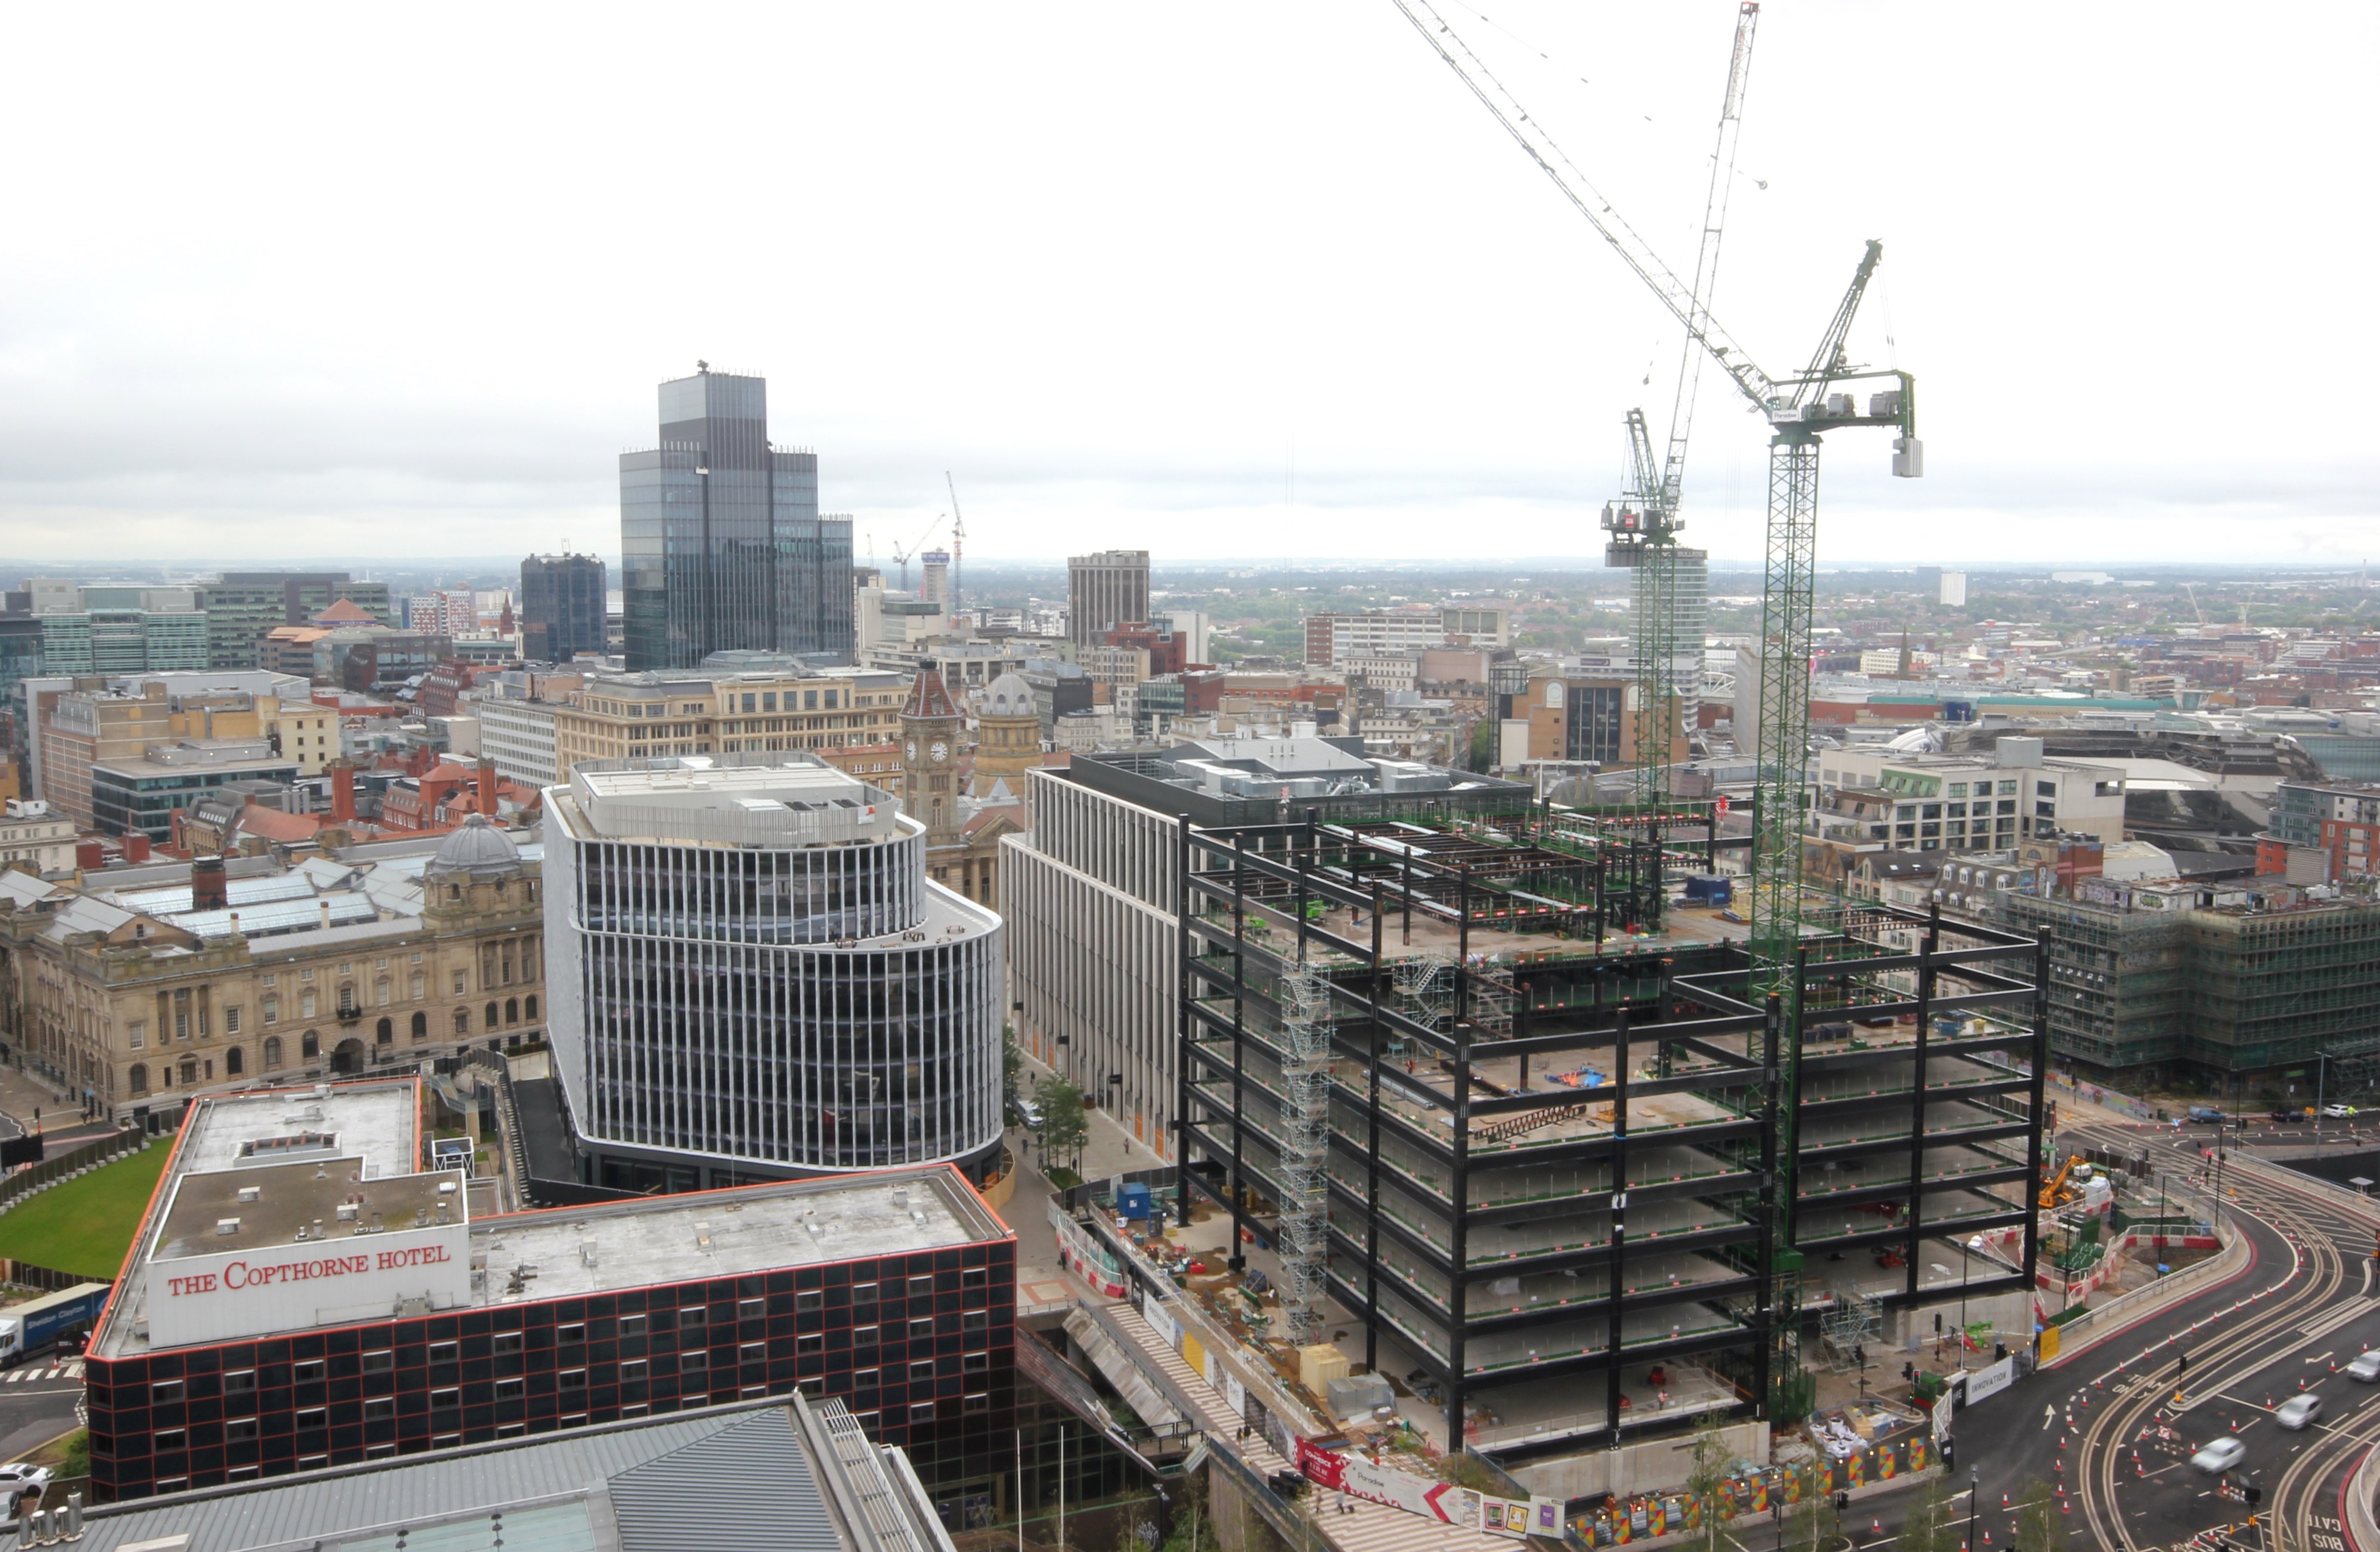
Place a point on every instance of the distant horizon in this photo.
(90, 571)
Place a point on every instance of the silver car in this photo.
(2365, 1368)
(2219, 1456)
(2298, 1411)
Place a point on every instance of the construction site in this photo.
(1536, 1138)
(1565, 1192)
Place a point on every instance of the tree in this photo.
(1812, 1525)
(1931, 1526)
(1064, 1126)
(2036, 1518)
(1011, 1062)
(1704, 1483)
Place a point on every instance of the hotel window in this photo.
(921, 1287)
(305, 1003)
(506, 1341)
(310, 1418)
(165, 1391)
(231, 1020)
(752, 1352)
(632, 1325)
(923, 1412)
(379, 1409)
(632, 1370)
(307, 1371)
(808, 1298)
(378, 1361)
(574, 1379)
(136, 1032)
(754, 1309)
(240, 1430)
(511, 1389)
(921, 1328)
(443, 1400)
(923, 1369)
(445, 1352)
(574, 1333)
(238, 1382)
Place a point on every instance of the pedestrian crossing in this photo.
(70, 1369)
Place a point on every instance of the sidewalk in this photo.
(1110, 1150)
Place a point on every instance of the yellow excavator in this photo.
(2056, 1192)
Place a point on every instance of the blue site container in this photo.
(1710, 889)
(1132, 1200)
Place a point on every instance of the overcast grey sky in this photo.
(1214, 280)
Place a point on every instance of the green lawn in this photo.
(85, 1226)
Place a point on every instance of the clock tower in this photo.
(929, 759)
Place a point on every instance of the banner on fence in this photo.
(1943, 1409)
(1359, 1478)
(1085, 1257)
(1991, 1381)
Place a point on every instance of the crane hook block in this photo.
(1908, 457)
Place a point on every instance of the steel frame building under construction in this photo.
(1533, 1163)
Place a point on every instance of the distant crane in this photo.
(1799, 410)
(958, 543)
(2194, 604)
(1643, 525)
(901, 557)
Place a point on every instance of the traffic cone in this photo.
(2004, 1500)
(1877, 1529)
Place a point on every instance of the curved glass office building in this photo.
(753, 977)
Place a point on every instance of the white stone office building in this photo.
(753, 979)
(1090, 895)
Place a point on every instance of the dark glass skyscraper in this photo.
(721, 542)
(562, 607)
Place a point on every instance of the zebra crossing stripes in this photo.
(70, 1369)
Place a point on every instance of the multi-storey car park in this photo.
(1521, 1161)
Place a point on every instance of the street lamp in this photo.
(2321, 1073)
(1975, 1496)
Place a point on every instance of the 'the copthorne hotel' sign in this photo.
(252, 1252)
(241, 1275)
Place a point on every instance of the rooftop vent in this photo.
(226, 1226)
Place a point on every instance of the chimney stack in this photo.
(486, 786)
(210, 886)
(135, 845)
(343, 791)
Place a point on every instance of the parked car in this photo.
(17, 1479)
(2204, 1112)
(2286, 1112)
(2365, 1368)
(2219, 1456)
(2298, 1411)
(1024, 1112)
(2340, 1112)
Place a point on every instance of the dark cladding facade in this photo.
(722, 545)
(562, 607)
(894, 1291)
(920, 1346)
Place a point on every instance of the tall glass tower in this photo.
(721, 542)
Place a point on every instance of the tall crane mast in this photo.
(1799, 409)
(1642, 526)
(958, 544)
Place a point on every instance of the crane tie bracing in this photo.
(1799, 410)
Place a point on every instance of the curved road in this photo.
(2106, 1423)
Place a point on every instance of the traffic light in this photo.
(2183, 1358)
(2050, 1119)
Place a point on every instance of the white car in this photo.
(2296, 1411)
(17, 1478)
(2365, 1368)
(2340, 1112)
(2219, 1456)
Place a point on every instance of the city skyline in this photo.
(1266, 409)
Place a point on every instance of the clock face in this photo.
(913, 748)
(940, 751)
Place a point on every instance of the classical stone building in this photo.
(962, 833)
(1008, 738)
(162, 983)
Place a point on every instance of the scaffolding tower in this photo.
(1305, 1150)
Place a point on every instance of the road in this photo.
(37, 1404)
(2105, 1422)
